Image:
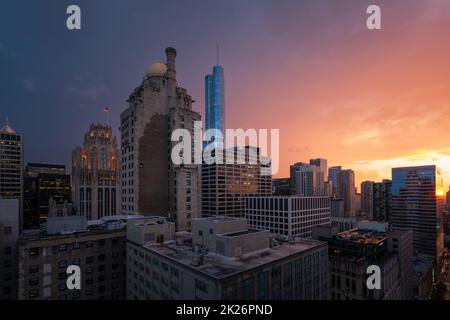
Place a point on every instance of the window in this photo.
(89, 259)
(7, 231)
(7, 250)
(34, 252)
(34, 281)
(77, 245)
(76, 295)
(89, 244)
(200, 285)
(33, 293)
(62, 247)
(62, 286)
(34, 268)
(62, 264)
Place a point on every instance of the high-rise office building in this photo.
(41, 183)
(11, 167)
(215, 99)
(225, 185)
(151, 183)
(9, 235)
(344, 187)
(323, 165)
(333, 177)
(382, 198)
(367, 198)
(417, 205)
(307, 179)
(287, 217)
(222, 259)
(95, 174)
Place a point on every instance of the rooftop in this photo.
(105, 225)
(362, 236)
(219, 267)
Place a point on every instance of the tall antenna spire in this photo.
(217, 53)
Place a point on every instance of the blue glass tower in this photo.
(215, 99)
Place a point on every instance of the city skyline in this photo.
(385, 115)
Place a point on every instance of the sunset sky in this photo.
(366, 100)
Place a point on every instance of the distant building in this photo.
(97, 247)
(287, 217)
(281, 187)
(367, 193)
(215, 100)
(343, 182)
(307, 179)
(418, 205)
(224, 186)
(352, 251)
(337, 207)
(323, 165)
(382, 200)
(333, 177)
(42, 182)
(221, 260)
(357, 202)
(95, 174)
(11, 167)
(9, 234)
(152, 185)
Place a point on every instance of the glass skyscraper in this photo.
(215, 100)
(417, 204)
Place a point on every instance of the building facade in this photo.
(9, 235)
(43, 182)
(221, 260)
(151, 183)
(11, 167)
(367, 193)
(382, 200)
(350, 254)
(281, 187)
(95, 174)
(98, 249)
(418, 205)
(287, 217)
(225, 185)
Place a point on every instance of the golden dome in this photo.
(157, 69)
